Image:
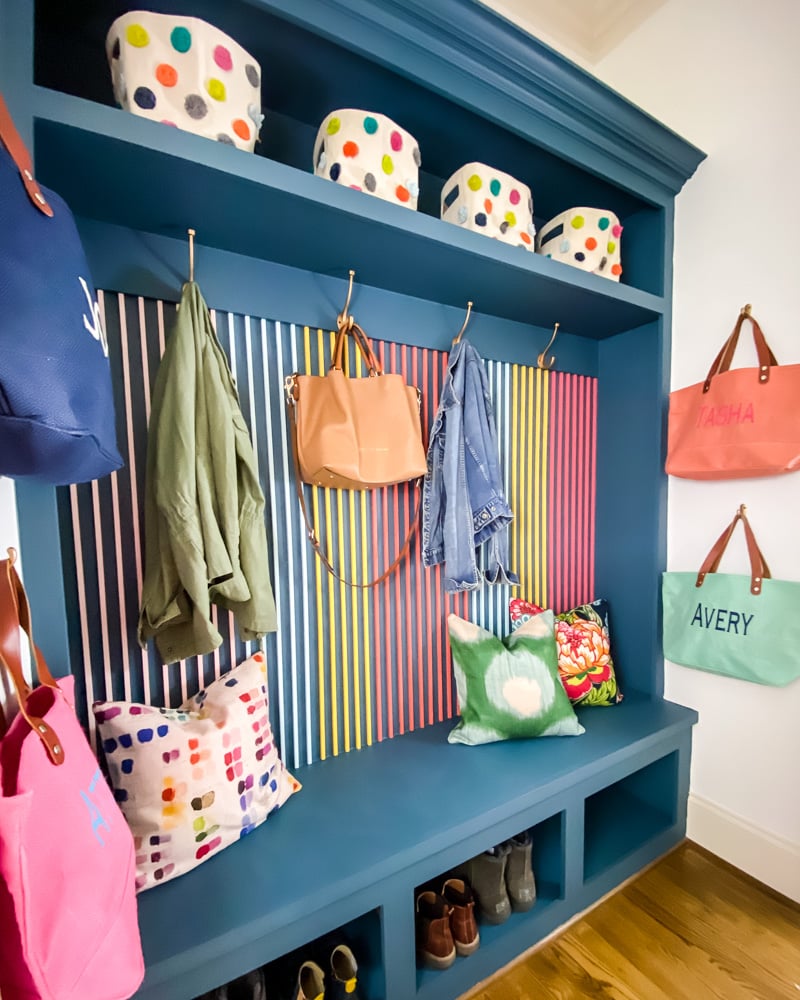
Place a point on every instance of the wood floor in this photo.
(689, 928)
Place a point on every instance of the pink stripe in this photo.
(376, 622)
(587, 594)
(415, 559)
(401, 693)
(81, 581)
(560, 551)
(580, 470)
(132, 469)
(424, 574)
(593, 487)
(101, 588)
(551, 467)
(386, 651)
(123, 617)
(573, 488)
(145, 363)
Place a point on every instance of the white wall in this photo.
(726, 77)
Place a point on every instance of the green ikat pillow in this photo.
(510, 688)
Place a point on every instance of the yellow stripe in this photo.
(343, 598)
(545, 469)
(537, 587)
(365, 608)
(515, 502)
(353, 604)
(318, 570)
(332, 622)
(523, 496)
(531, 568)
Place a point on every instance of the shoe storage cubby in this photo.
(374, 825)
(620, 819)
(362, 936)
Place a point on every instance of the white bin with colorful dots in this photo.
(588, 238)
(369, 152)
(184, 72)
(490, 202)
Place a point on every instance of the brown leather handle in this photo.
(15, 614)
(18, 151)
(362, 343)
(311, 533)
(722, 362)
(759, 570)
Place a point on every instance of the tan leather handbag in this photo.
(354, 433)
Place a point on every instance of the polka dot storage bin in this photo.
(184, 72)
(490, 202)
(369, 152)
(588, 238)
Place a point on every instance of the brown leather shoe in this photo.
(435, 947)
(458, 896)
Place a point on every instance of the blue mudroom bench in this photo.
(346, 856)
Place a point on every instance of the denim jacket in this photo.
(463, 504)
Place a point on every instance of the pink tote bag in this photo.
(68, 918)
(739, 423)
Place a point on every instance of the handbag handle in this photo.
(15, 614)
(759, 570)
(311, 533)
(363, 344)
(722, 362)
(18, 152)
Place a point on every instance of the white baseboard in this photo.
(770, 859)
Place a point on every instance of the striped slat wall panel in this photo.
(347, 667)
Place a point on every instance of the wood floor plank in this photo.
(689, 928)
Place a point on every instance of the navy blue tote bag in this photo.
(56, 406)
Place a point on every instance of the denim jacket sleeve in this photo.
(463, 504)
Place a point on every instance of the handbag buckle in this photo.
(289, 384)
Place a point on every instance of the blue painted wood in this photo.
(111, 166)
(404, 809)
(123, 260)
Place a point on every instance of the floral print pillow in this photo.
(584, 650)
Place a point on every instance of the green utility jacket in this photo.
(205, 536)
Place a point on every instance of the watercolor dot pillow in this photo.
(508, 689)
(584, 651)
(191, 781)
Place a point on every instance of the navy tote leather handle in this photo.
(18, 152)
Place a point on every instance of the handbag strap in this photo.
(722, 362)
(759, 570)
(15, 614)
(311, 533)
(18, 152)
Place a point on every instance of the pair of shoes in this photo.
(248, 987)
(343, 983)
(446, 924)
(502, 879)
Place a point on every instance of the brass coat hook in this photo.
(460, 333)
(542, 361)
(192, 235)
(343, 320)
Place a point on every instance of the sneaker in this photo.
(458, 896)
(520, 881)
(344, 975)
(435, 946)
(310, 982)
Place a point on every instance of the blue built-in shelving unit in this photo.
(371, 826)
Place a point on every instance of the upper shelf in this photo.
(116, 167)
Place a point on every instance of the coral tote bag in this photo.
(68, 918)
(737, 424)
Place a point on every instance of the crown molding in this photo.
(473, 55)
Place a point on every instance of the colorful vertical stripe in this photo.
(347, 667)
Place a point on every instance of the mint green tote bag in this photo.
(741, 626)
